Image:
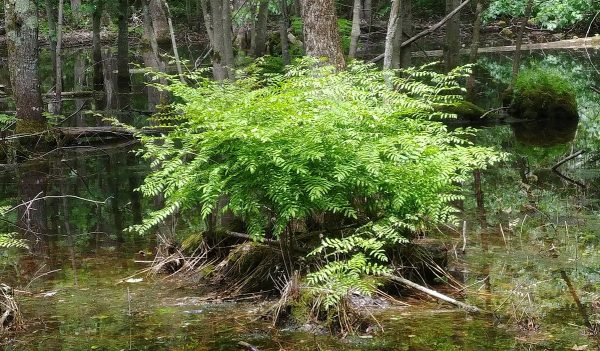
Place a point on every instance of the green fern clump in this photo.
(286, 148)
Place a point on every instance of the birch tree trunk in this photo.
(321, 34)
(355, 34)
(390, 37)
(216, 7)
(22, 44)
(452, 44)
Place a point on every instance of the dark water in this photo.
(75, 297)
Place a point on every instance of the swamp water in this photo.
(530, 226)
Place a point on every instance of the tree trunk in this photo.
(219, 72)
(228, 40)
(452, 45)
(207, 20)
(283, 33)
(397, 44)
(97, 45)
(390, 37)
(407, 32)
(519, 44)
(160, 22)
(123, 47)
(474, 48)
(259, 38)
(367, 13)
(188, 12)
(174, 43)
(355, 34)
(51, 20)
(321, 34)
(58, 78)
(76, 10)
(22, 44)
(79, 81)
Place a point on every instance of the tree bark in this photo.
(452, 43)
(470, 86)
(228, 40)
(22, 45)
(79, 81)
(216, 7)
(51, 20)
(207, 20)
(397, 43)
(390, 37)
(174, 43)
(518, 44)
(283, 34)
(321, 34)
(159, 19)
(367, 13)
(58, 78)
(76, 10)
(355, 34)
(123, 47)
(407, 32)
(97, 45)
(259, 37)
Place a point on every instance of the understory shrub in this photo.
(284, 152)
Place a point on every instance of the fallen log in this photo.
(433, 293)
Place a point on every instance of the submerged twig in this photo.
(433, 293)
(565, 160)
(248, 346)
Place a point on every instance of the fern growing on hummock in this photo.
(286, 148)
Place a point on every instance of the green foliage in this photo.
(313, 141)
(550, 14)
(542, 79)
(8, 241)
(6, 121)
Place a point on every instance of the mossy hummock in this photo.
(543, 94)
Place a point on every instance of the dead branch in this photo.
(433, 293)
(38, 198)
(247, 346)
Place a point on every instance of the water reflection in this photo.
(546, 132)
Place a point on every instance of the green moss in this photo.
(25, 126)
(541, 93)
(464, 110)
